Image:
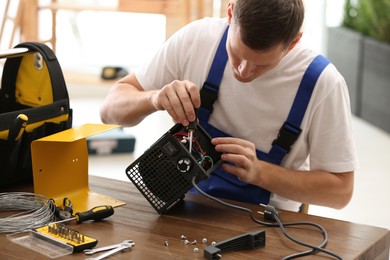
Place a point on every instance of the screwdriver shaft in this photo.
(190, 140)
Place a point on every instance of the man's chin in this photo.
(243, 80)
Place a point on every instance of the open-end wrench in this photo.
(105, 248)
(121, 247)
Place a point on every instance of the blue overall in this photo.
(225, 185)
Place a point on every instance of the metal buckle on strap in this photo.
(287, 136)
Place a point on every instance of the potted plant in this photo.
(360, 49)
(345, 51)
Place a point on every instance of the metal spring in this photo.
(34, 210)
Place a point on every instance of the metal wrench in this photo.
(100, 249)
(121, 247)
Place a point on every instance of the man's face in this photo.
(248, 64)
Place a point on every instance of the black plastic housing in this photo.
(164, 172)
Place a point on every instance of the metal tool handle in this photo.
(111, 252)
(104, 248)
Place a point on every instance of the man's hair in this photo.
(265, 23)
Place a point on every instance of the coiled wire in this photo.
(34, 210)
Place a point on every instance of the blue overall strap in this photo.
(209, 91)
(290, 130)
(226, 185)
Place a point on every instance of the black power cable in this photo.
(271, 213)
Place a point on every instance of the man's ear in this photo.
(230, 7)
(295, 41)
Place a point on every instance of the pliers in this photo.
(64, 212)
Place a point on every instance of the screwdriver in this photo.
(191, 128)
(96, 213)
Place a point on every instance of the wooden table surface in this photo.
(198, 218)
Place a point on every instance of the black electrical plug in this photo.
(270, 212)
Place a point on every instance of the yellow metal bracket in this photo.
(60, 167)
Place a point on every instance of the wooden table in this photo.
(198, 218)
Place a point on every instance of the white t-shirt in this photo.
(255, 111)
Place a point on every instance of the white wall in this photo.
(90, 40)
(319, 14)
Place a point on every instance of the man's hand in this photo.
(179, 98)
(319, 187)
(242, 155)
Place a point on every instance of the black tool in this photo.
(95, 214)
(251, 240)
(64, 212)
(68, 206)
(191, 128)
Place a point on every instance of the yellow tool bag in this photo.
(34, 103)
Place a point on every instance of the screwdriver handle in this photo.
(96, 213)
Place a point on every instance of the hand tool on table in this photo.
(123, 246)
(68, 206)
(105, 248)
(64, 212)
(65, 235)
(96, 213)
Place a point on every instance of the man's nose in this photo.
(245, 69)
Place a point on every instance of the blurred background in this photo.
(88, 35)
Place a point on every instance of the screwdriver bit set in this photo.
(53, 240)
(67, 235)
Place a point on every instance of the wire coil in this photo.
(34, 211)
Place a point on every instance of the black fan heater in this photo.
(164, 173)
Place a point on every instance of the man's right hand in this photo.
(179, 99)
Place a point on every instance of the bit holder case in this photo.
(164, 173)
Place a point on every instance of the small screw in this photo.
(183, 237)
(194, 242)
(196, 250)
(166, 243)
(213, 243)
(186, 242)
(204, 240)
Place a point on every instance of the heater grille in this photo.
(158, 179)
(164, 173)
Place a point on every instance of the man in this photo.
(255, 95)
